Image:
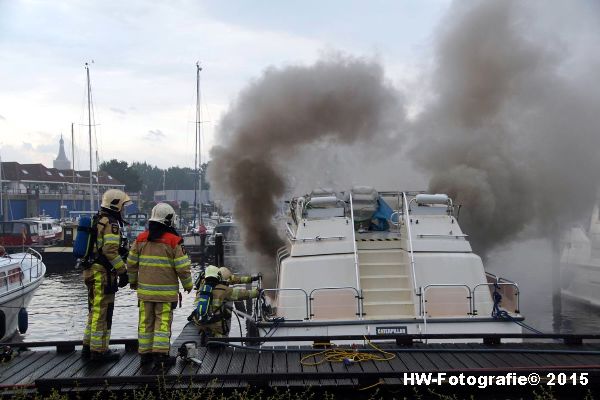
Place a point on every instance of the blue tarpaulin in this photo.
(379, 220)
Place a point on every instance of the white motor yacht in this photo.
(580, 263)
(372, 263)
(20, 275)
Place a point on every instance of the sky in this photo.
(142, 57)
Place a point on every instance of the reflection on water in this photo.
(58, 310)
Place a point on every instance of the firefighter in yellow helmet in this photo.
(210, 312)
(156, 261)
(100, 275)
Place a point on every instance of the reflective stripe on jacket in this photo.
(108, 241)
(221, 294)
(156, 266)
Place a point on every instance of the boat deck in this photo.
(41, 367)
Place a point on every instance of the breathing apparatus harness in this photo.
(86, 241)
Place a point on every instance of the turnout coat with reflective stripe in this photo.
(108, 242)
(155, 266)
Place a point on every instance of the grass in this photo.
(161, 392)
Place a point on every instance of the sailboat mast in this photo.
(199, 137)
(89, 96)
(73, 158)
(1, 190)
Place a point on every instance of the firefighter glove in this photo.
(123, 280)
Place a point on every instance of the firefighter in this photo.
(229, 278)
(105, 273)
(215, 323)
(156, 261)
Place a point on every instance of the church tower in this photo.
(62, 162)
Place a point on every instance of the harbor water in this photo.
(58, 311)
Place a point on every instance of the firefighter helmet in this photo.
(163, 213)
(225, 273)
(115, 200)
(211, 272)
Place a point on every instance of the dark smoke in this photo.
(338, 100)
(513, 134)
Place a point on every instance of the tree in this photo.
(121, 171)
(203, 170)
(184, 205)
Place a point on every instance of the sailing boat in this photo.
(193, 241)
(60, 257)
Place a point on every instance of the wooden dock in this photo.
(43, 366)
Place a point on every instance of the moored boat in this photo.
(580, 263)
(368, 262)
(20, 275)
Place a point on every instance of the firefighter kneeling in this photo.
(210, 312)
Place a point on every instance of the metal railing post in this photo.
(360, 311)
(410, 245)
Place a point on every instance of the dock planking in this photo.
(39, 367)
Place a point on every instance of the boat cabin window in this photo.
(14, 228)
(324, 207)
(3, 280)
(14, 275)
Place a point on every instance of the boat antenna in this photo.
(89, 97)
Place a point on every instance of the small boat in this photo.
(48, 228)
(136, 224)
(364, 262)
(20, 275)
(580, 263)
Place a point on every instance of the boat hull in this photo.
(390, 327)
(12, 302)
(581, 283)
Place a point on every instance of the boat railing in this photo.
(18, 277)
(453, 299)
(509, 292)
(441, 236)
(317, 238)
(328, 303)
(410, 244)
(357, 273)
(282, 253)
(289, 233)
(303, 314)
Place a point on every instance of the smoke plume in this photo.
(513, 134)
(337, 101)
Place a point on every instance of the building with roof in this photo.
(30, 190)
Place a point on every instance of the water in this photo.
(58, 310)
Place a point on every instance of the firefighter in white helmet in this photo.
(156, 263)
(100, 276)
(229, 278)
